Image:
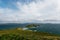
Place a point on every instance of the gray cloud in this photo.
(37, 10)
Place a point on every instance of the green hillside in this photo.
(19, 34)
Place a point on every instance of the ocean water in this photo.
(11, 26)
(51, 28)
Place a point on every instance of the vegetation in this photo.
(16, 34)
(32, 25)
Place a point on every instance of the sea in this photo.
(43, 27)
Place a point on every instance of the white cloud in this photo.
(40, 10)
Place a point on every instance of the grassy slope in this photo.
(30, 34)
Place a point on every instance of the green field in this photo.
(19, 34)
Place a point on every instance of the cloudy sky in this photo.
(22, 11)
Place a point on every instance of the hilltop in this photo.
(19, 34)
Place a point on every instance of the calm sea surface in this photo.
(51, 28)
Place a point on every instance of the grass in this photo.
(16, 34)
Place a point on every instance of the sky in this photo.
(28, 11)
